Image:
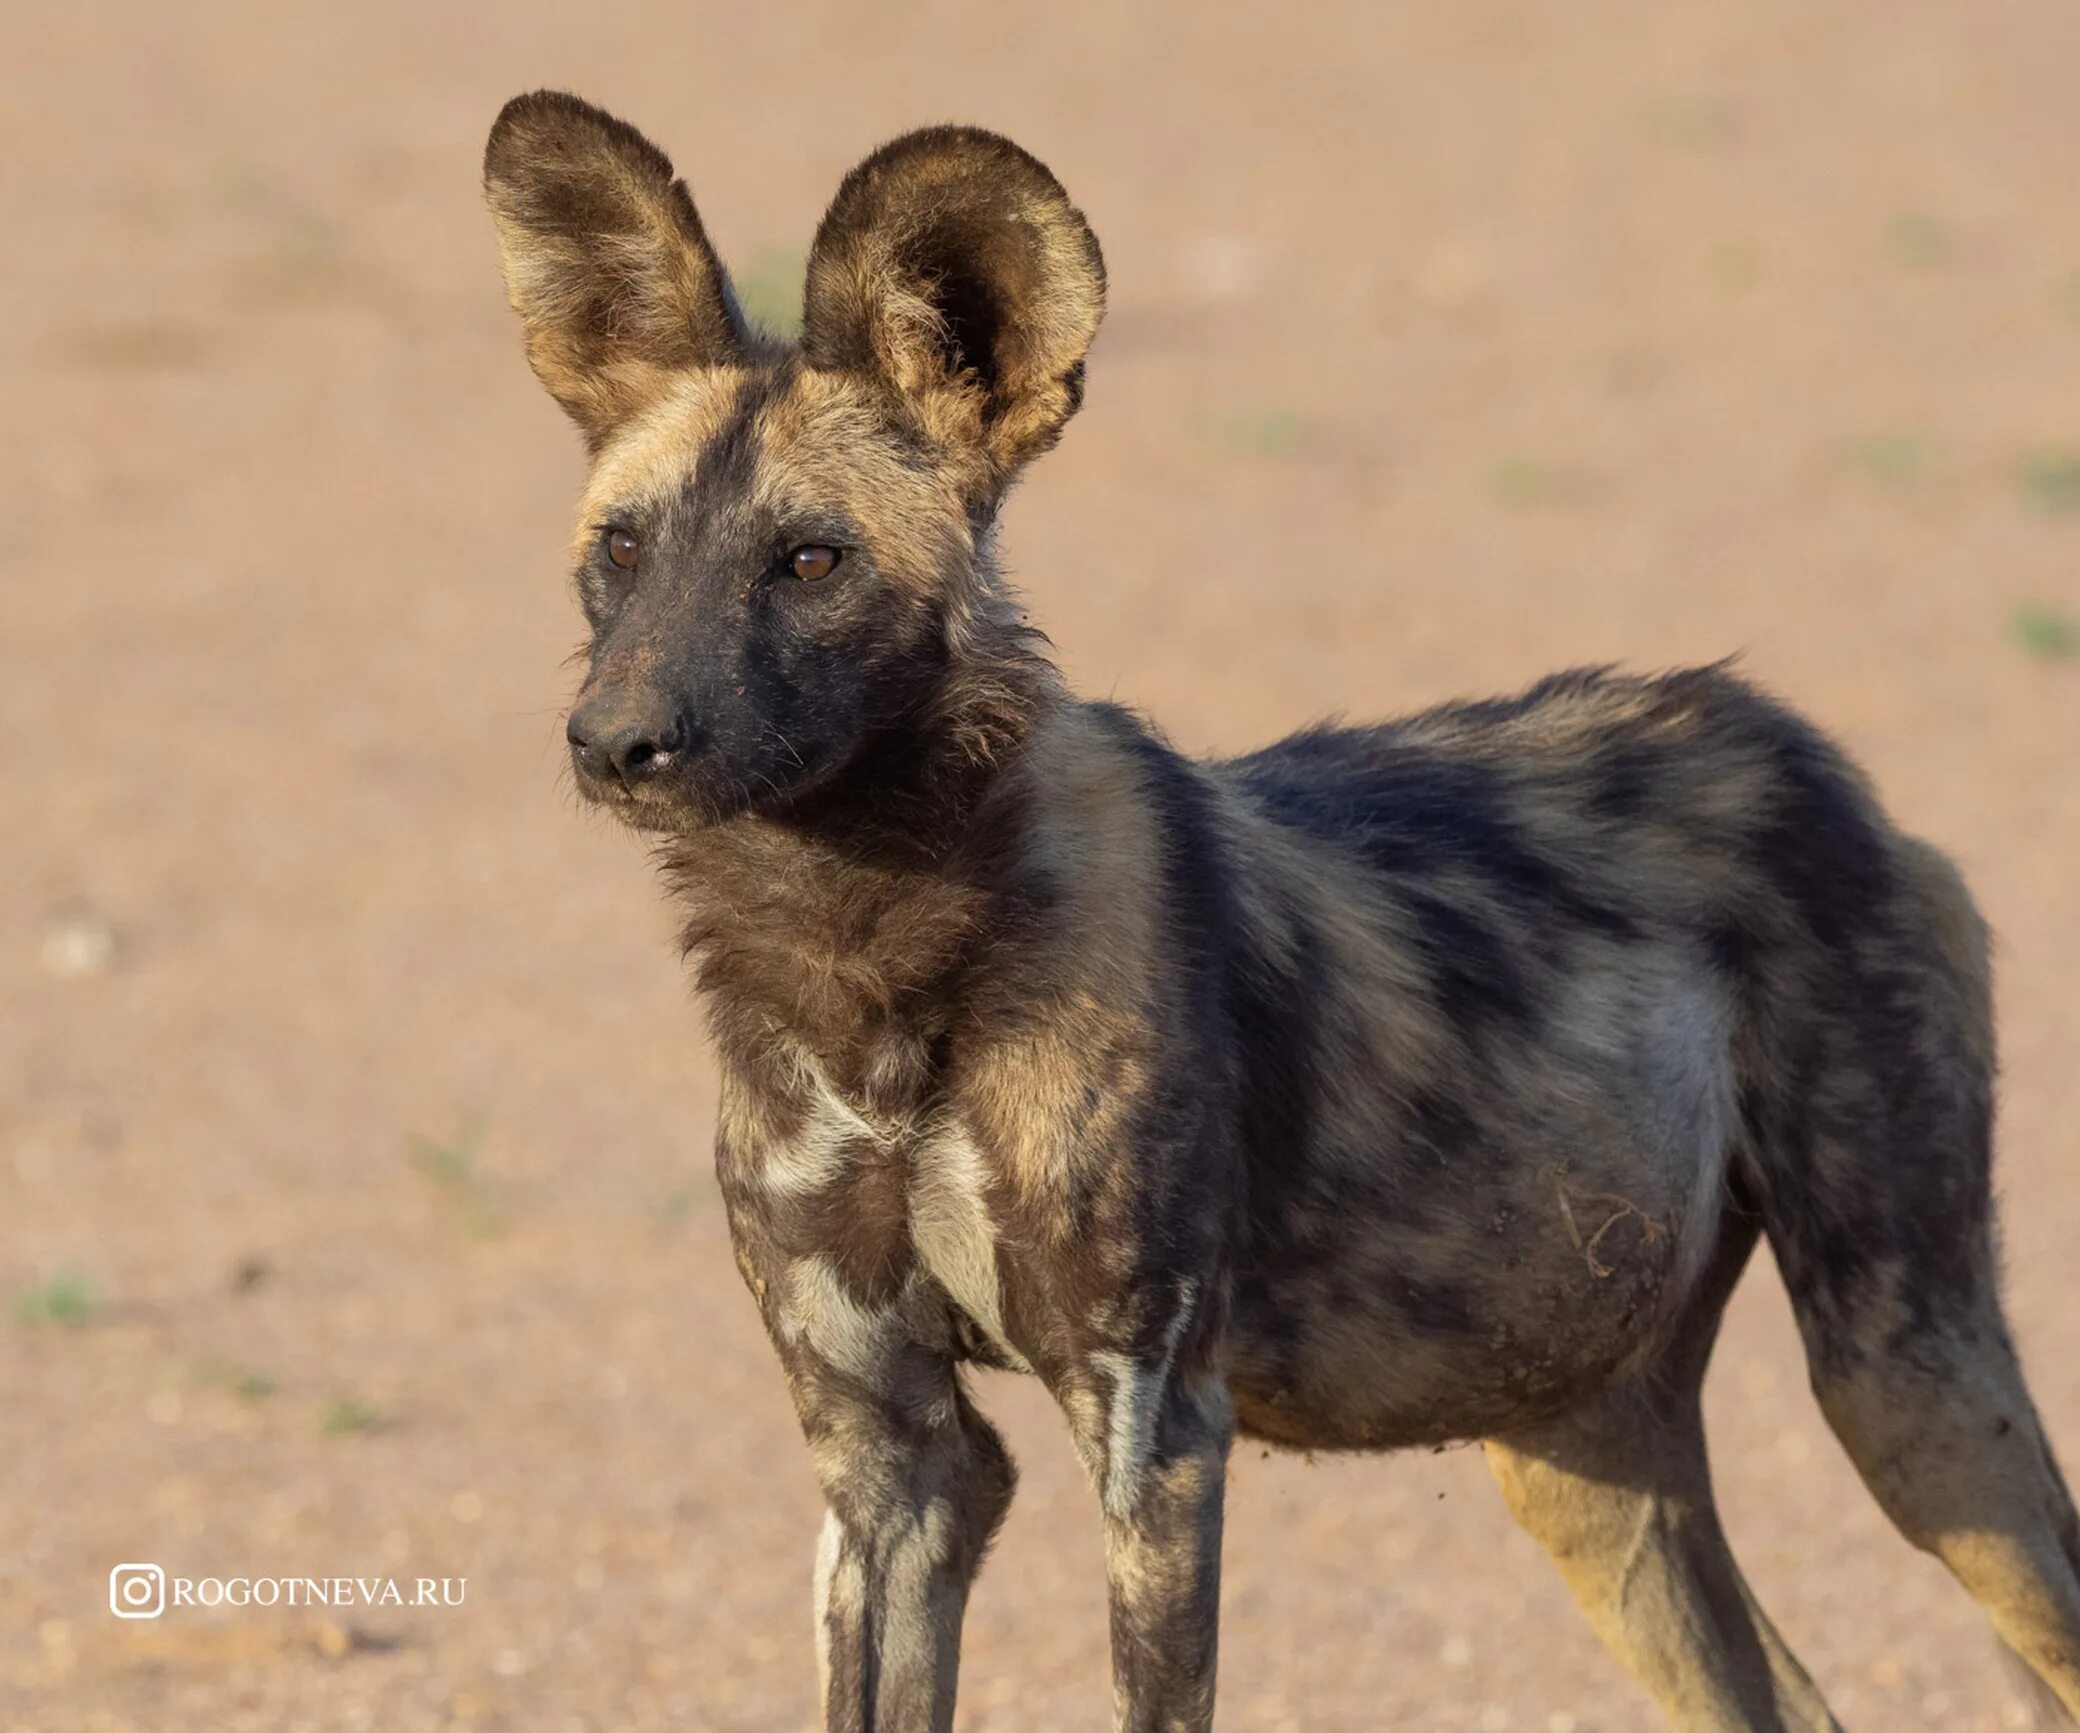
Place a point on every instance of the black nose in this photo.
(611, 737)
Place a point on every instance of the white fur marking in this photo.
(829, 1548)
(1133, 1406)
(955, 1238)
(854, 1339)
(904, 1559)
(815, 1157)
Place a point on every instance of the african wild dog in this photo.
(1390, 1085)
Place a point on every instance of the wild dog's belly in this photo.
(1505, 1306)
(1494, 1264)
(1349, 1357)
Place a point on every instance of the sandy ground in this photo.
(355, 1214)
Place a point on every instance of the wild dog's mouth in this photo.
(699, 792)
(667, 804)
(655, 771)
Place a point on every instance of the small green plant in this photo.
(1532, 483)
(769, 288)
(450, 1164)
(680, 1205)
(1898, 461)
(239, 185)
(68, 1298)
(2049, 478)
(1918, 240)
(247, 1383)
(247, 191)
(1262, 432)
(1736, 266)
(2050, 633)
(1687, 120)
(345, 1416)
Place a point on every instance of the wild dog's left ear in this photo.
(953, 267)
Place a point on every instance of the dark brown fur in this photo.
(1388, 1086)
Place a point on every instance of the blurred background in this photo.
(355, 1206)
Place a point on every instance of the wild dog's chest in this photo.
(887, 1200)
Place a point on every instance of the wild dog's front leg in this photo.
(1163, 1566)
(1155, 1437)
(915, 1484)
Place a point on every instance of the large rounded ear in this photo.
(605, 259)
(953, 267)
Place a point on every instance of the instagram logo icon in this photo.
(137, 1591)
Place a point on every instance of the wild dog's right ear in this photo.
(952, 267)
(605, 259)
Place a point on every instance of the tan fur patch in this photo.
(652, 455)
(1095, 840)
(823, 446)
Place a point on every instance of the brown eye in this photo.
(814, 563)
(621, 549)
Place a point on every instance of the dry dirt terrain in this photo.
(355, 1208)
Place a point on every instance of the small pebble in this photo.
(77, 943)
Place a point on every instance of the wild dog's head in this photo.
(781, 549)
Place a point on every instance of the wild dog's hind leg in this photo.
(1914, 1369)
(1881, 1217)
(1943, 1431)
(1620, 1494)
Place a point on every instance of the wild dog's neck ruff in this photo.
(839, 928)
